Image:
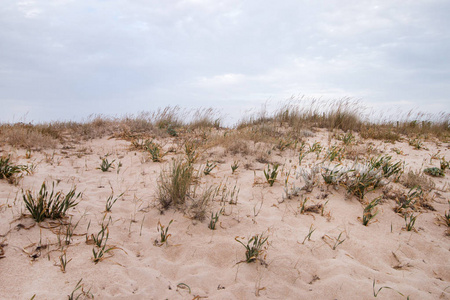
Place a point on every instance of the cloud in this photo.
(94, 56)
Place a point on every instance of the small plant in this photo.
(164, 236)
(302, 205)
(446, 217)
(368, 213)
(8, 170)
(410, 220)
(100, 241)
(63, 262)
(49, 205)
(111, 200)
(308, 236)
(214, 219)
(436, 172)
(234, 166)
(254, 247)
(106, 165)
(87, 294)
(209, 167)
(271, 174)
(68, 232)
(101, 236)
(376, 292)
(338, 241)
(155, 151)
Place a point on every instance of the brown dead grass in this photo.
(286, 126)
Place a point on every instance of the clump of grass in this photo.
(369, 214)
(9, 170)
(234, 166)
(53, 205)
(106, 165)
(254, 247)
(362, 181)
(174, 184)
(435, 172)
(164, 235)
(155, 151)
(271, 174)
(408, 201)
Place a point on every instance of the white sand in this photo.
(415, 264)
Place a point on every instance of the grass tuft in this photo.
(52, 205)
(254, 247)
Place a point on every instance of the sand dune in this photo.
(199, 263)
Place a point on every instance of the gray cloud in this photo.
(68, 59)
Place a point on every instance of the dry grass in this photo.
(417, 179)
(288, 124)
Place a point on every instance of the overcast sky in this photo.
(67, 59)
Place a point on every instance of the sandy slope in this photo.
(413, 263)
